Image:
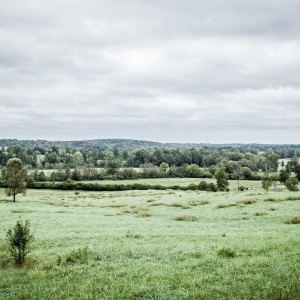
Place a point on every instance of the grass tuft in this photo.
(261, 213)
(176, 204)
(21, 211)
(226, 252)
(198, 202)
(187, 218)
(225, 205)
(293, 220)
(246, 202)
(141, 211)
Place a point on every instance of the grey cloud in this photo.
(203, 71)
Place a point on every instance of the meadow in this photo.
(155, 244)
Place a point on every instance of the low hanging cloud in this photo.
(174, 71)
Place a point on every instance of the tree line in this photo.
(254, 157)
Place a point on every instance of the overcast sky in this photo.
(163, 70)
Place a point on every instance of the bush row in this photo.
(72, 185)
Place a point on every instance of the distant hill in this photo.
(119, 143)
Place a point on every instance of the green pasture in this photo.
(155, 244)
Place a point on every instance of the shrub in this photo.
(203, 185)
(243, 188)
(293, 220)
(192, 186)
(226, 252)
(210, 187)
(19, 239)
(292, 184)
(188, 218)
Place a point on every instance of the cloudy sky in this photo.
(164, 70)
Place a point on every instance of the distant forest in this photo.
(155, 159)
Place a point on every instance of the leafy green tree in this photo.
(268, 179)
(112, 163)
(292, 184)
(78, 157)
(19, 239)
(294, 166)
(222, 179)
(238, 174)
(164, 167)
(271, 162)
(284, 175)
(15, 177)
(76, 174)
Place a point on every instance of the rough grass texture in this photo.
(95, 245)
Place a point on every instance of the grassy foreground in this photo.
(155, 245)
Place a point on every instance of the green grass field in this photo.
(155, 244)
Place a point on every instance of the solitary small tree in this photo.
(222, 179)
(15, 176)
(238, 175)
(164, 168)
(19, 239)
(268, 179)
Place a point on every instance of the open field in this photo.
(155, 244)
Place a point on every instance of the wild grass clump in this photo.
(21, 211)
(117, 205)
(246, 202)
(226, 252)
(156, 204)
(141, 211)
(176, 204)
(125, 210)
(293, 220)
(261, 213)
(225, 205)
(76, 256)
(198, 202)
(273, 208)
(151, 200)
(130, 234)
(293, 198)
(272, 199)
(290, 198)
(185, 206)
(56, 203)
(5, 260)
(187, 218)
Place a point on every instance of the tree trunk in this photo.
(14, 197)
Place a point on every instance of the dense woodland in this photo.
(100, 159)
